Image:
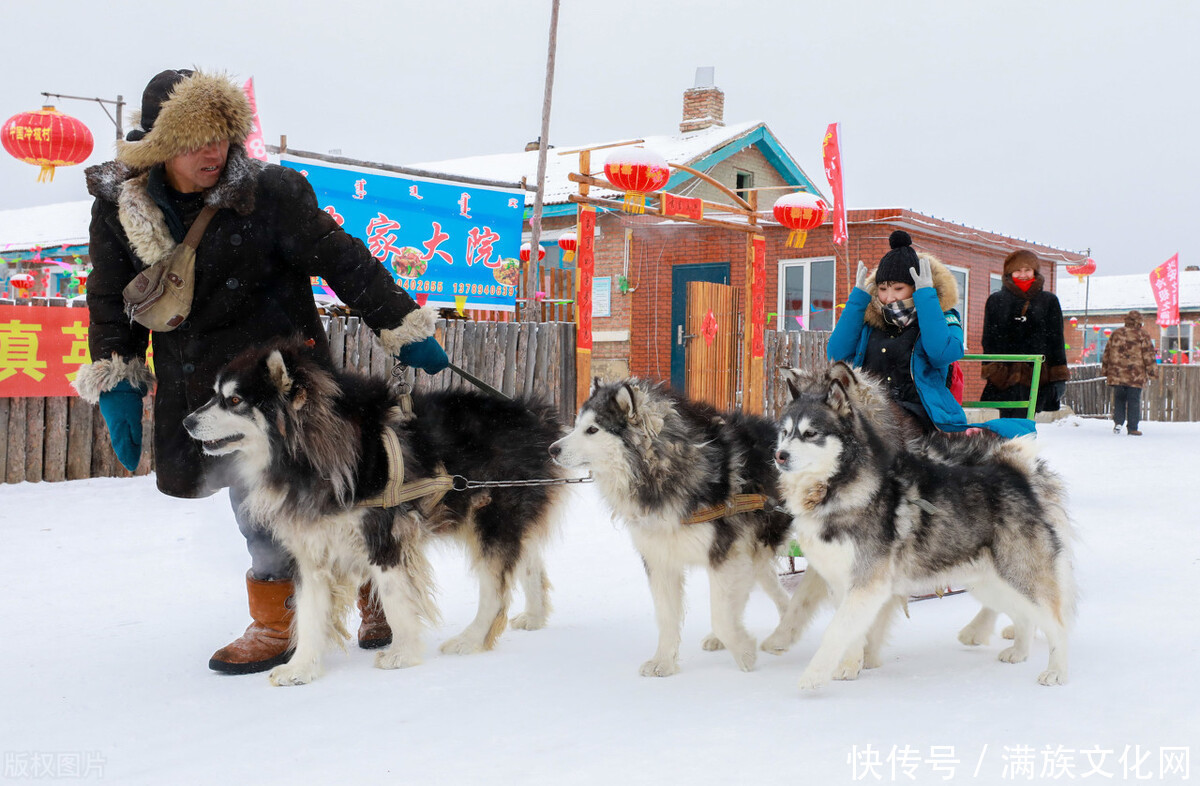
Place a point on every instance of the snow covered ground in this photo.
(114, 597)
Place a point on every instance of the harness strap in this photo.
(739, 503)
(397, 491)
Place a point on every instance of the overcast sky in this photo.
(1068, 123)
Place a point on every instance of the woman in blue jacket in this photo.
(900, 324)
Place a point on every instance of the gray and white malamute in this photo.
(881, 518)
(306, 444)
(657, 459)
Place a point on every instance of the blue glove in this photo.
(426, 355)
(122, 411)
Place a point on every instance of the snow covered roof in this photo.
(684, 149)
(1119, 294)
(64, 223)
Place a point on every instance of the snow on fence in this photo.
(1173, 397)
(64, 438)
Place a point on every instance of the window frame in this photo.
(781, 288)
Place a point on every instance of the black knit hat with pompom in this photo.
(895, 263)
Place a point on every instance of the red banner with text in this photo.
(1164, 280)
(41, 350)
(831, 150)
(584, 268)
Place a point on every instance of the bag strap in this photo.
(198, 226)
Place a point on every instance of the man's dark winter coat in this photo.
(253, 268)
(1024, 323)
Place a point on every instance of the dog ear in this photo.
(627, 400)
(842, 372)
(794, 379)
(280, 377)
(596, 385)
(838, 398)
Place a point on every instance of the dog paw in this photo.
(848, 669)
(745, 655)
(527, 621)
(1009, 632)
(711, 643)
(1052, 677)
(973, 637)
(461, 645)
(289, 674)
(776, 644)
(394, 658)
(810, 681)
(659, 668)
(1013, 655)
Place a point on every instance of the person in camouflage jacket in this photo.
(1127, 363)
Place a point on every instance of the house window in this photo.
(806, 294)
(994, 283)
(963, 277)
(1177, 340)
(1094, 341)
(743, 182)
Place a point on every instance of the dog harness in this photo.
(396, 491)
(738, 503)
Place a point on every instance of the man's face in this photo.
(199, 169)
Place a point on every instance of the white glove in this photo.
(860, 278)
(925, 277)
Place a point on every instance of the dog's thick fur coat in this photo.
(307, 445)
(881, 518)
(658, 458)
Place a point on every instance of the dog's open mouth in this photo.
(213, 445)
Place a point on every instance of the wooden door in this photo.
(713, 346)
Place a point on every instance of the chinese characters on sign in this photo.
(440, 241)
(1164, 280)
(41, 350)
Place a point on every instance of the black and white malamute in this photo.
(657, 459)
(881, 518)
(307, 445)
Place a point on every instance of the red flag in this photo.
(255, 145)
(1164, 280)
(831, 149)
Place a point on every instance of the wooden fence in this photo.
(64, 438)
(1173, 397)
(789, 349)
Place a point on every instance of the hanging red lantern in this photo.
(1095, 328)
(1081, 271)
(800, 212)
(1108, 331)
(637, 172)
(525, 253)
(47, 138)
(1074, 321)
(568, 242)
(22, 281)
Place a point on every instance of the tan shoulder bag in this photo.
(160, 297)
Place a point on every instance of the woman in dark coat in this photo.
(1022, 318)
(252, 284)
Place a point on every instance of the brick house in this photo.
(644, 261)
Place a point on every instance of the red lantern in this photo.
(800, 212)
(568, 243)
(22, 281)
(525, 252)
(1074, 321)
(636, 172)
(1080, 271)
(1095, 328)
(1108, 331)
(47, 138)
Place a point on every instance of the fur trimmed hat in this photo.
(895, 264)
(1022, 258)
(183, 111)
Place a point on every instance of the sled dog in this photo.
(657, 459)
(881, 519)
(306, 443)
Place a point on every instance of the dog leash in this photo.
(738, 503)
(399, 370)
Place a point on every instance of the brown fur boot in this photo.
(374, 632)
(265, 644)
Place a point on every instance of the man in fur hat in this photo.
(1128, 363)
(252, 284)
(1023, 318)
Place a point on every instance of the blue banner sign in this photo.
(448, 244)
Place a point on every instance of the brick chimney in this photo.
(704, 104)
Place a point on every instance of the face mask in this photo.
(900, 313)
(1023, 285)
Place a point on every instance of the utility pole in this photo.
(535, 222)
